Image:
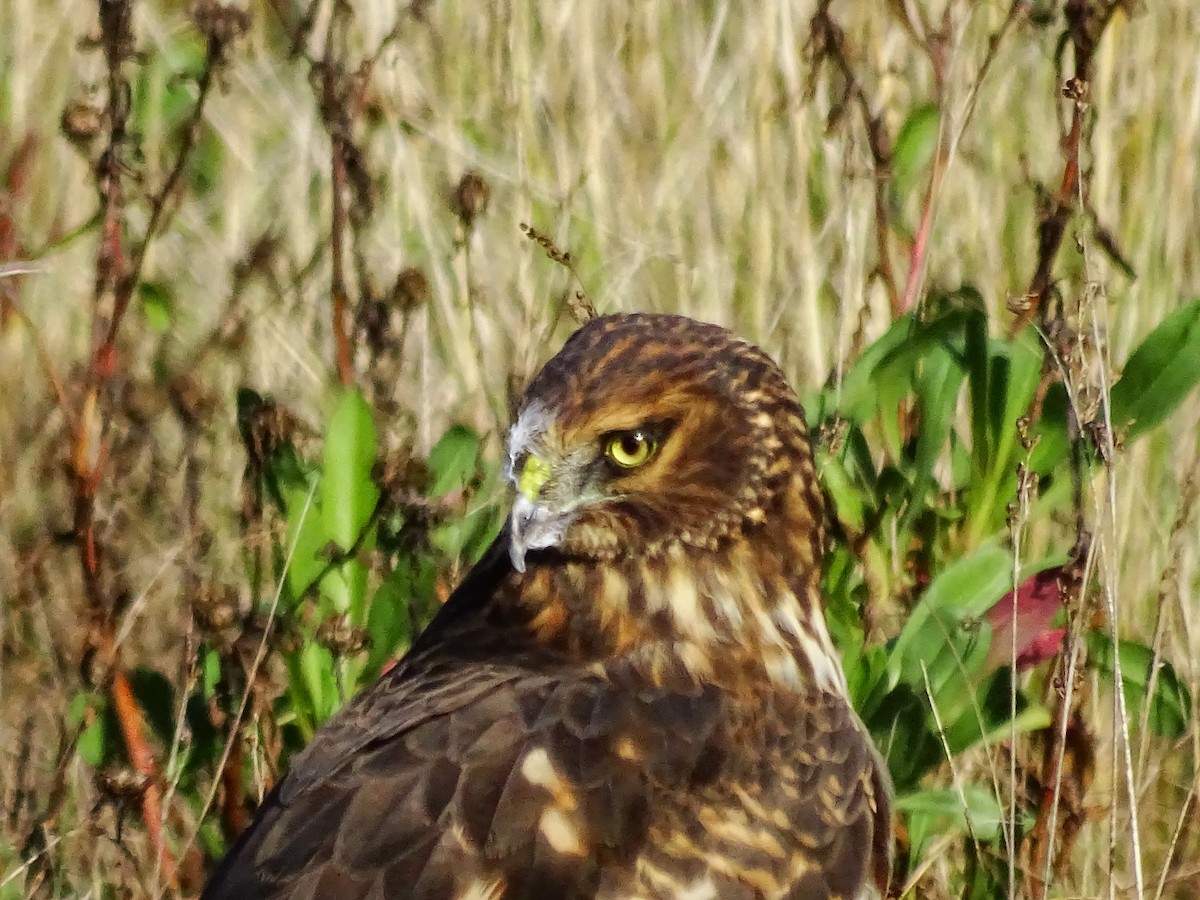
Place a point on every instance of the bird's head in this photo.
(647, 432)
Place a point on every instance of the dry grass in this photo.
(685, 155)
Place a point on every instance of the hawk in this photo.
(633, 694)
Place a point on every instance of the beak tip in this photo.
(517, 556)
(521, 516)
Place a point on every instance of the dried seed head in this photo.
(341, 637)
(81, 122)
(215, 610)
(401, 477)
(1076, 89)
(119, 783)
(265, 426)
(471, 198)
(411, 289)
(220, 23)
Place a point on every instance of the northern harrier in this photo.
(633, 694)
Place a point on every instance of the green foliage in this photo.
(1160, 373)
(403, 602)
(87, 708)
(156, 306)
(1142, 673)
(455, 464)
(348, 492)
(916, 144)
(453, 461)
(943, 811)
(351, 563)
(164, 98)
(357, 575)
(933, 637)
(927, 442)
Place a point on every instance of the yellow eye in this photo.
(629, 449)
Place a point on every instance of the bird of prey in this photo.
(634, 693)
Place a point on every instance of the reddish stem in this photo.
(129, 714)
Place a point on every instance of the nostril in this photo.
(516, 465)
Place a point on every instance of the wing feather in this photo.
(523, 776)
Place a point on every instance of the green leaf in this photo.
(988, 719)
(467, 537)
(884, 371)
(1159, 374)
(453, 460)
(1171, 704)
(949, 671)
(866, 678)
(855, 395)
(937, 812)
(901, 730)
(93, 743)
(348, 495)
(404, 596)
(313, 679)
(916, 143)
(1030, 717)
(344, 591)
(211, 673)
(1010, 376)
(211, 836)
(1012, 372)
(965, 588)
(978, 361)
(306, 531)
(848, 502)
(937, 388)
(389, 626)
(157, 305)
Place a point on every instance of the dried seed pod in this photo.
(470, 200)
(341, 637)
(81, 122)
(265, 426)
(219, 22)
(411, 289)
(215, 608)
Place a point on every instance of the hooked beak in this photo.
(532, 527)
(531, 524)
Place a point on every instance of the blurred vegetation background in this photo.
(271, 277)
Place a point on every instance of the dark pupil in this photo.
(631, 444)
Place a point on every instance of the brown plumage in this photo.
(634, 693)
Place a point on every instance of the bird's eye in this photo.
(629, 449)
